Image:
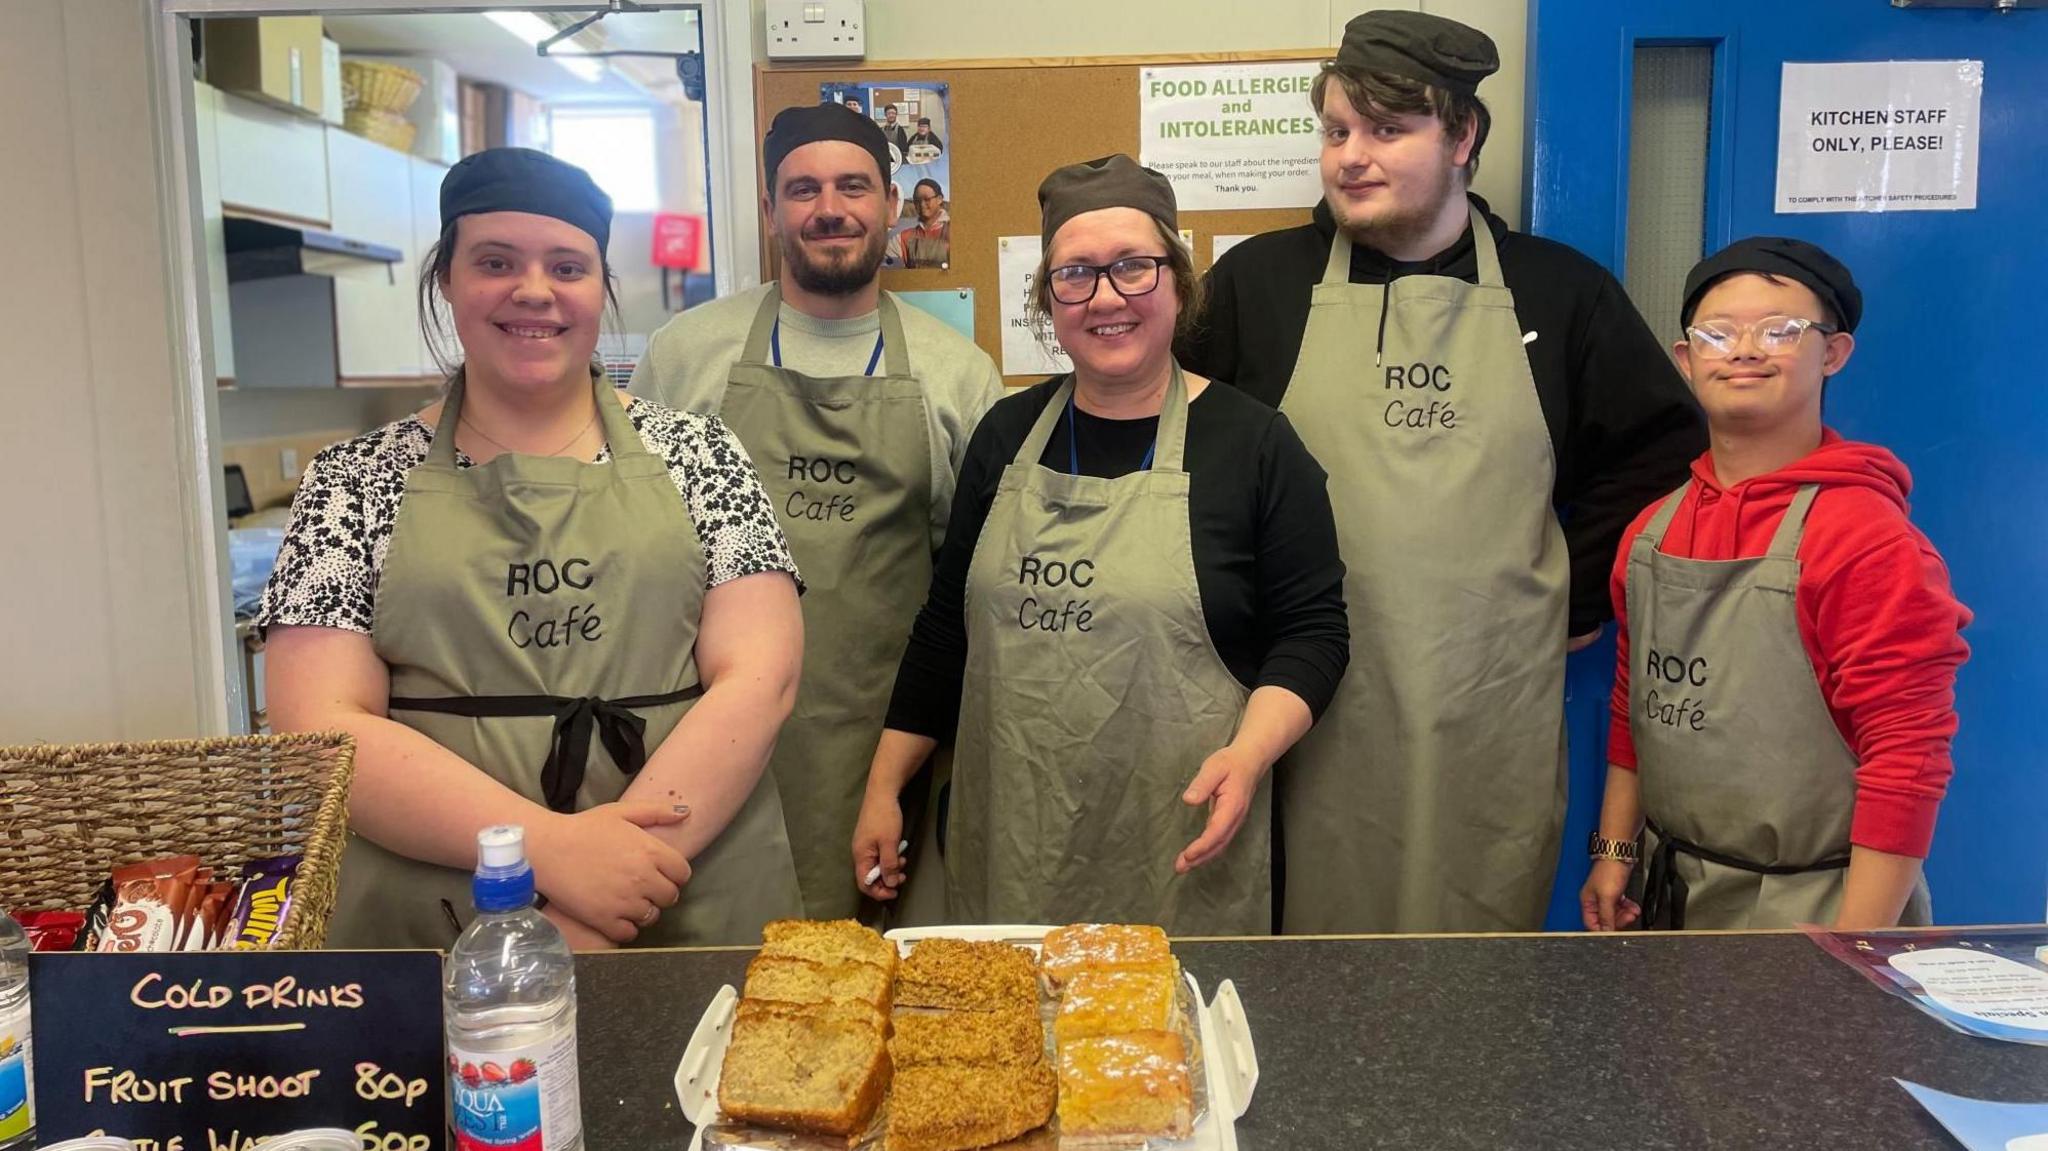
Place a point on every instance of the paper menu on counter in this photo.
(1981, 1125)
(1989, 981)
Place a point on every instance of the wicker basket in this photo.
(70, 814)
(387, 128)
(378, 87)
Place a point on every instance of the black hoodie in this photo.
(1623, 426)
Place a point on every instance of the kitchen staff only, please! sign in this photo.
(1231, 135)
(1881, 136)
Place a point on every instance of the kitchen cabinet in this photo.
(277, 59)
(370, 188)
(271, 163)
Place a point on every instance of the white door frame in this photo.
(727, 34)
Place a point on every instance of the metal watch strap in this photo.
(1619, 850)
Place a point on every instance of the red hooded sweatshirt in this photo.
(1875, 613)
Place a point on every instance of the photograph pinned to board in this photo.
(1985, 981)
(916, 117)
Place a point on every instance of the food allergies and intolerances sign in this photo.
(1881, 136)
(1232, 135)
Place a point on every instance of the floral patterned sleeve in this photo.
(734, 519)
(324, 575)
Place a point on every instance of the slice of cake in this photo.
(954, 1107)
(1011, 1037)
(790, 980)
(1125, 1086)
(966, 975)
(1114, 1002)
(821, 1068)
(1103, 947)
(827, 941)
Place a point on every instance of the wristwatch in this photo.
(1620, 850)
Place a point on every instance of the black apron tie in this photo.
(1664, 890)
(576, 718)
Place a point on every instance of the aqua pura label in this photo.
(525, 1099)
(17, 1075)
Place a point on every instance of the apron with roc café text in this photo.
(1093, 694)
(847, 461)
(1747, 783)
(539, 618)
(1430, 796)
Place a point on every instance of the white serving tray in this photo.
(1230, 1063)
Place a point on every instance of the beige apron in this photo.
(847, 462)
(526, 605)
(1093, 693)
(1745, 777)
(1430, 797)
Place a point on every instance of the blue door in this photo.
(1949, 370)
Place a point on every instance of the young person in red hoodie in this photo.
(1785, 691)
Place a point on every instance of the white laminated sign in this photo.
(1232, 135)
(1028, 345)
(1881, 136)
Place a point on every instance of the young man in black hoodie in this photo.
(1492, 411)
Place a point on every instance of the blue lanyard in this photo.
(775, 348)
(1074, 446)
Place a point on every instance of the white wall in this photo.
(96, 601)
(963, 29)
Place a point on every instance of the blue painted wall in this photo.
(1950, 369)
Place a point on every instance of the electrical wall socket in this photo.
(288, 463)
(816, 29)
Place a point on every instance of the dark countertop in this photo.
(1504, 1043)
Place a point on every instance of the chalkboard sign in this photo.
(212, 1051)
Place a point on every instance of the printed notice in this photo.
(1231, 135)
(1981, 1125)
(1028, 345)
(1889, 136)
(1986, 981)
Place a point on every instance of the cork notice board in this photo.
(1012, 123)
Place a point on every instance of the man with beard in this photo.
(856, 410)
(1492, 411)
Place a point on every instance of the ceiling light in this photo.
(531, 28)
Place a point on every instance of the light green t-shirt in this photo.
(690, 358)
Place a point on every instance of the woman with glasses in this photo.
(1137, 609)
(1785, 693)
(928, 241)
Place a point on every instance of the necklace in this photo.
(580, 433)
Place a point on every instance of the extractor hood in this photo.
(262, 250)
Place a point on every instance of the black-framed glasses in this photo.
(1773, 335)
(1130, 276)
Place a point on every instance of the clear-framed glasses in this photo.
(1772, 335)
(1130, 276)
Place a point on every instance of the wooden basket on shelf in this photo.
(71, 813)
(387, 128)
(376, 86)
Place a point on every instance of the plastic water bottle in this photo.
(17, 1055)
(510, 1001)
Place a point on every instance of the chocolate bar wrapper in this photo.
(266, 896)
(51, 930)
(96, 917)
(149, 901)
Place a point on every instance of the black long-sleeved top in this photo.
(1623, 426)
(1265, 546)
